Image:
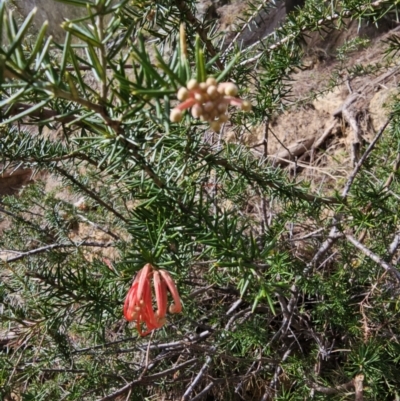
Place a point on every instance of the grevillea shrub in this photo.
(155, 254)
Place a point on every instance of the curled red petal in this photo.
(148, 313)
(234, 101)
(143, 279)
(161, 295)
(186, 104)
(176, 307)
(130, 303)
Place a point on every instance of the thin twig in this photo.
(203, 392)
(332, 390)
(147, 379)
(351, 118)
(203, 335)
(56, 246)
(196, 379)
(364, 157)
(388, 267)
(91, 193)
(393, 246)
(234, 306)
(98, 227)
(147, 356)
(245, 25)
(262, 180)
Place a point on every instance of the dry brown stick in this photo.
(183, 343)
(91, 193)
(350, 117)
(245, 25)
(105, 230)
(278, 369)
(146, 379)
(55, 246)
(146, 366)
(358, 386)
(325, 135)
(370, 85)
(325, 246)
(332, 390)
(265, 137)
(364, 157)
(203, 392)
(293, 151)
(196, 379)
(394, 171)
(393, 246)
(334, 233)
(351, 178)
(377, 259)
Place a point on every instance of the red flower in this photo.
(139, 300)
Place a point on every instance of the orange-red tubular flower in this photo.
(161, 295)
(138, 304)
(176, 307)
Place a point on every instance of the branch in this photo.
(146, 379)
(245, 25)
(98, 227)
(91, 193)
(332, 390)
(334, 233)
(356, 383)
(262, 181)
(185, 342)
(388, 267)
(54, 246)
(203, 392)
(196, 380)
(364, 157)
(393, 246)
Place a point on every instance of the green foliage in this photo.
(280, 298)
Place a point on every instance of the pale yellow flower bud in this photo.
(197, 111)
(211, 81)
(192, 84)
(183, 94)
(231, 89)
(203, 86)
(175, 116)
(246, 105)
(199, 97)
(212, 91)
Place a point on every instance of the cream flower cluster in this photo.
(208, 101)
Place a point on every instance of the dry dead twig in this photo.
(388, 267)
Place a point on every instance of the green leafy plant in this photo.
(289, 287)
